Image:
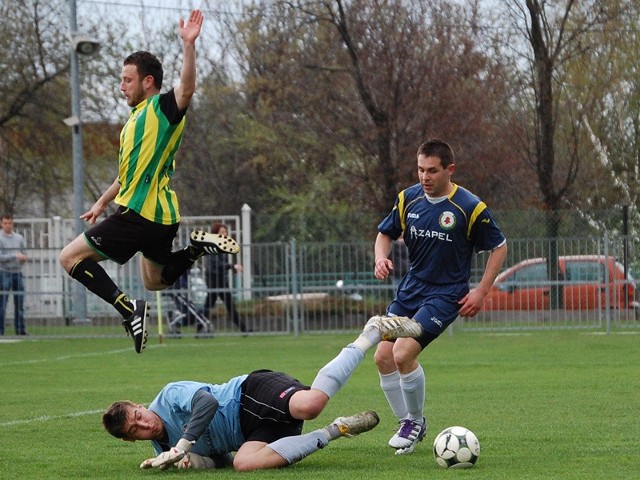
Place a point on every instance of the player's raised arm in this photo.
(189, 32)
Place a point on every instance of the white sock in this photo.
(390, 384)
(413, 390)
(334, 374)
(293, 449)
(369, 337)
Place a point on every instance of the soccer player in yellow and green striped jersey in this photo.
(148, 217)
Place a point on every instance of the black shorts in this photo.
(264, 406)
(121, 235)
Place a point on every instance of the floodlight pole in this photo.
(80, 293)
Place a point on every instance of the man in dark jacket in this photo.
(217, 268)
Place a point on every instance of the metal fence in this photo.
(303, 287)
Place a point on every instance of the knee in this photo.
(240, 466)
(312, 408)
(74, 252)
(154, 286)
(396, 358)
(384, 360)
(308, 404)
(403, 360)
(243, 464)
(258, 460)
(65, 259)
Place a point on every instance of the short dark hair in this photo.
(8, 216)
(115, 418)
(217, 226)
(147, 64)
(437, 148)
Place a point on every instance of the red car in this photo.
(585, 282)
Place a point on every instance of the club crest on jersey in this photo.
(447, 220)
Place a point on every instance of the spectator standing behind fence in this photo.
(442, 225)
(217, 278)
(12, 257)
(147, 218)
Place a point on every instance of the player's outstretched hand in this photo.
(195, 461)
(173, 455)
(164, 460)
(190, 29)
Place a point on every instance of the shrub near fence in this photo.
(296, 287)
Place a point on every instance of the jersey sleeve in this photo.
(203, 408)
(393, 224)
(169, 107)
(485, 233)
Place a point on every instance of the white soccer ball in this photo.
(456, 447)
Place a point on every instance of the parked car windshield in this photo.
(531, 274)
(584, 271)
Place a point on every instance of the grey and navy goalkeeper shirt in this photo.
(222, 433)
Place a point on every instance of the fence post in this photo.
(246, 251)
(160, 317)
(625, 251)
(607, 290)
(295, 288)
(55, 243)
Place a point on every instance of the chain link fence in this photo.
(584, 278)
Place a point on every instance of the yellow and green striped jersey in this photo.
(148, 143)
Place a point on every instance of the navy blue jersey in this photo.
(442, 237)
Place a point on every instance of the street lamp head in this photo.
(84, 44)
(72, 121)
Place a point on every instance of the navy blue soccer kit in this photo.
(441, 236)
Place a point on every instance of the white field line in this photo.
(63, 358)
(46, 418)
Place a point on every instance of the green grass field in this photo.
(544, 405)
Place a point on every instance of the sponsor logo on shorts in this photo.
(284, 394)
(436, 321)
(97, 240)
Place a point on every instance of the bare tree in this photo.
(340, 94)
(557, 34)
(412, 86)
(35, 146)
(30, 78)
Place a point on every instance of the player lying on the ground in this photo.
(259, 416)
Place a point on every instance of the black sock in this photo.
(179, 262)
(123, 305)
(194, 252)
(93, 276)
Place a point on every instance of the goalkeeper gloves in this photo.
(195, 461)
(166, 459)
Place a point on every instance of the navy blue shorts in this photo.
(264, 406)
(435, 307)
(121, 235)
